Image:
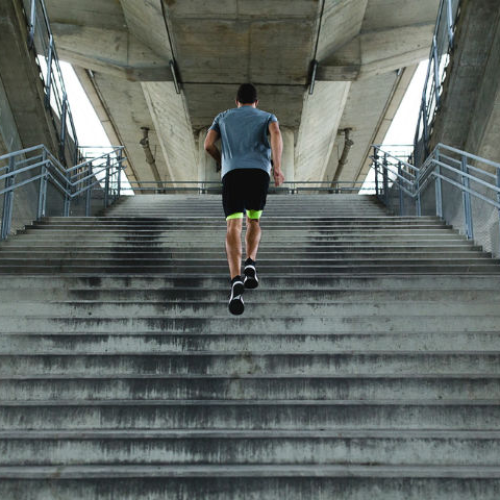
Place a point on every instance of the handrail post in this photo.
(48, 83)
(436, 71)
(106, 183)
(466, 200)
(62, 141)
(450, 23)
(67, 196)
(438, 189)
(119, 184)
(498, 199)
(88, 198)
(42, 195)
(419, 198)
(8, 200)
(425, 128)
(385, 179)
(401, 200)
(31, 35)
(375, 165)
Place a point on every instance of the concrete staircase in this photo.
(366, 365)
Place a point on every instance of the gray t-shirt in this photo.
(245, 143)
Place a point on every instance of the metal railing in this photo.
(442, 45)
(101, 173)
(215, 187)
(41, 40)
(473, 176)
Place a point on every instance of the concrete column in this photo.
(288, 159)
(207, 169)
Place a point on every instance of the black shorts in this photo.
(244, 189)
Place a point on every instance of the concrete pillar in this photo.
(207, 169)
(288, 159)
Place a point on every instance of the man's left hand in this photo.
(279, 178)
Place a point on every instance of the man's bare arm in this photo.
(277, 151)
(211, 148)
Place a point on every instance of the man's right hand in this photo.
(279, 178)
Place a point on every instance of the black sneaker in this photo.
(251, 280)
(236, 304)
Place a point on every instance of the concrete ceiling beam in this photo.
(376, 53)
(342, 22)
(117, 53)
(148, 21)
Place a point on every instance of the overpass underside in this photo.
(128, 54)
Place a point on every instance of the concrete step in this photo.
(281, 282)
(204, 340)
(69, 387)
(251, 415)
(196, 306)
(173, 270)
(269, 363)
(288, 265)
(265, 482)
(251, 448)
(180, 295)
(248, 324)
(186, 254)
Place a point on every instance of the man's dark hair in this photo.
(247, 94)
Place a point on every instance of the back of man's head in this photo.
(247, 94)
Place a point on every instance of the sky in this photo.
(91, 132)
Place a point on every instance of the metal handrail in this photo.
(441, 48)
(41, 165)
(41, 39)
(202, 187)
(432, 170)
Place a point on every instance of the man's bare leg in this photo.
(252, 238)
(233, 246)
(252, 241)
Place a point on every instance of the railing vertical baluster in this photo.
(498, 200)
(419, 196)
(120, 160)
(67, 196)
(425, 127)
(450, 23)
(385, 179)
(438, 188)
(466, 200)
(8, 200)
(48, 84)
(42, 195)
(401, 201)
(375, 163)
(62, 141)
(106, 182)
(437, 84)
(31, 36)
(88, 198)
